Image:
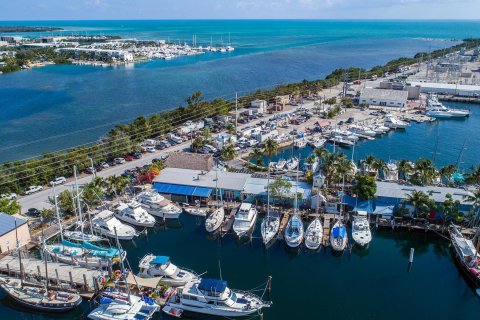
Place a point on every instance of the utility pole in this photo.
(236, 111)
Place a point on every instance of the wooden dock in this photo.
(227, 224)
(58, 273)
(283, 225)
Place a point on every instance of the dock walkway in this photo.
(76, 276)
(283, 225)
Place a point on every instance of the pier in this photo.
(227, 224)
(87, 280)
(283, 225)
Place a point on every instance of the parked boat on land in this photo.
(105, 223)
(213, 297)
(245, 219)
(338, 236)
(160, 266)
(361, 233)
(158, 206)
(314, 234)
(134, 214)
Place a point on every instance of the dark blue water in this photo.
(371, 283)
(78, 104)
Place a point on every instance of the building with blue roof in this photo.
(7, 232)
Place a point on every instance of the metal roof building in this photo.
(384, 97)
(7, 232)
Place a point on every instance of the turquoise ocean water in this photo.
(40, 104)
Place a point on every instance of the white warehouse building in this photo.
(383, 97)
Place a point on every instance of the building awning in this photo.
(143, 282)
(383, 209)
(168, 188)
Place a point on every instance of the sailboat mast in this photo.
(19, 254)
(78, 202)
(56, 211)
(45, 258)
(295, 200)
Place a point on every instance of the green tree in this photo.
(424, 172)
(47, 214)
(404, 169)
(257, 155)
(447, 172)
(228, 152)
(364, 187)
(271, 146)
(280, 188)
(473, 177)
(65, 201)
(117, 185)
(9, 206)
(449, 208)
(421, 202)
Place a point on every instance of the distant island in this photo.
(27, 29)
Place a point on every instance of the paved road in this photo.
(39, 200)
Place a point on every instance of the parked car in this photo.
(350, 120)
(137, 155)
(151, 149)
(90, 170)
(33, 212)
(119, 160)
(33, 189)
(104, 165)
(340, 123)
(129, 158)
(9, 196)
(58, 180)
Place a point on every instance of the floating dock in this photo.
(227, 224)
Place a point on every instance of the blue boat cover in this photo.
(160, 260)
(339, 232)
(182, 190)
(67, 243)
(212, 285)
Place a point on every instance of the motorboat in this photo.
(196, 211)
(391, 172)
(466, 256)
(294, 231)
(158, 206)
(300, 143)
(245, 219)
(280, 164)
(365, 131)
(84, 254)
(213, 297)
(338, 236)
(134, 214)
(270, 226)
(361, 233)
(119, 309)
(174, 312)
(215, 220)
(292, 163)
(436, 109)
(39, 298)
(77, 235)
(152, 266)
(105, 223)
(342, 141)
(394, 123)
(317, 142)
(314, 234)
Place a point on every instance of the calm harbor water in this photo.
(56, 107)
(372, 283)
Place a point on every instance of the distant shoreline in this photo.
(28, 29)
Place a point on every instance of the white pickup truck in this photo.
(33, 189)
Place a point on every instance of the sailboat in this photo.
(215, 220)
(338, 236)
(466, 255)
(271, 223)
(361, 233)
(294, 231)
(314, 234)
(36, 298)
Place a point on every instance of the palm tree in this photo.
(257, 155)
(421, 202)
(321, 153)
(404, 169)
(379, 166)
(271, 146)
(425, 172)
(367, 163)
(474, 176)
(474, 199)
(116, 184)
(229, 152)
(447, 172)
(344, 169)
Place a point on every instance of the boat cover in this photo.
(67, 243)
(339, 232)
(212, 285)
(160, 260)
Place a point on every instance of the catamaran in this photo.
(134, 214)
(314, 234)
(158, 206)
(245, 219)
(213, 297)
(107, 225)
(361, 233)
(160, 266)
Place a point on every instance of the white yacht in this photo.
(338, 236)
(158, 206)
(301, 143)
(294, 231)
(213, 297)
(436, 109)
(314, 234)
(280, 164)
(292, 163)
(394, 123)
(362, 131)
(133, 308)
(215, 220)
(245, 219)
(133, 213)
(106, 224)
(361, 233)
(152, 266)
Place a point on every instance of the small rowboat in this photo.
(172, 311)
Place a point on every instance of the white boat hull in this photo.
(314, 235)
(146, 224)
(215, 220)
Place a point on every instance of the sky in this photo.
(237, 9)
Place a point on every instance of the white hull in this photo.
(240, 231)
(121, 236)
(213, 311)
(215, 220)
(196, 212)
(338, 244)
(269, 228)
(80, 236)
(173, 214)
(314, 235)
(294, 239)
(149, 223)
(361, 233)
